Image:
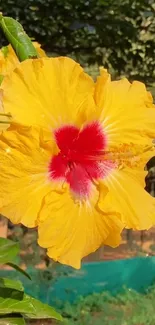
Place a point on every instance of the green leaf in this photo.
(11, 284)
(5, 51)
(12, 321)
(8, 250)
(18, 268)
(17, 37)
(1, 78)
(41, 310)
(13, 301)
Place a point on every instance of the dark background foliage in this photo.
(117, 34)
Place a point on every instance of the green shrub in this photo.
(127, 308)
(118, 34)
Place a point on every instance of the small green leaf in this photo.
(17, 37)
(1, 78)
(11, 284)
(8, 250)
(12, 321)
(5, 51)
(18, 268)
(13, 301)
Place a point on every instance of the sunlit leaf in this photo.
(5, 51)
(8, 250)
(17, 37)
(12, 321)
(42, 310)
(18, 268)
(13, 301)
(11, 284)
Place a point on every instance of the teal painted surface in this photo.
(136, 273)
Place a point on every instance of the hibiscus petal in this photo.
(71, 230)
(91, 139)
(79, 181)
(126, 110)
(24, 175)
(9, 62)
(98, 169)
(49, 92)
(127, 197)
(65, 137)
(58, 168)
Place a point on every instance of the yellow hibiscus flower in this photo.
(9, 60)
(5, 118)
(72, 162)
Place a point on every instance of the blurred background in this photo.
(116, 34)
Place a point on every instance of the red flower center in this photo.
(80, 159)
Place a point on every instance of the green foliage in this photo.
(127, 308)
(5, 51)
(8, 250)
(17, 268)
(31, 254)
(11, 284)
(17, 37)
(118, 34)
(8, 253)
(14, 303)
(12, 321)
